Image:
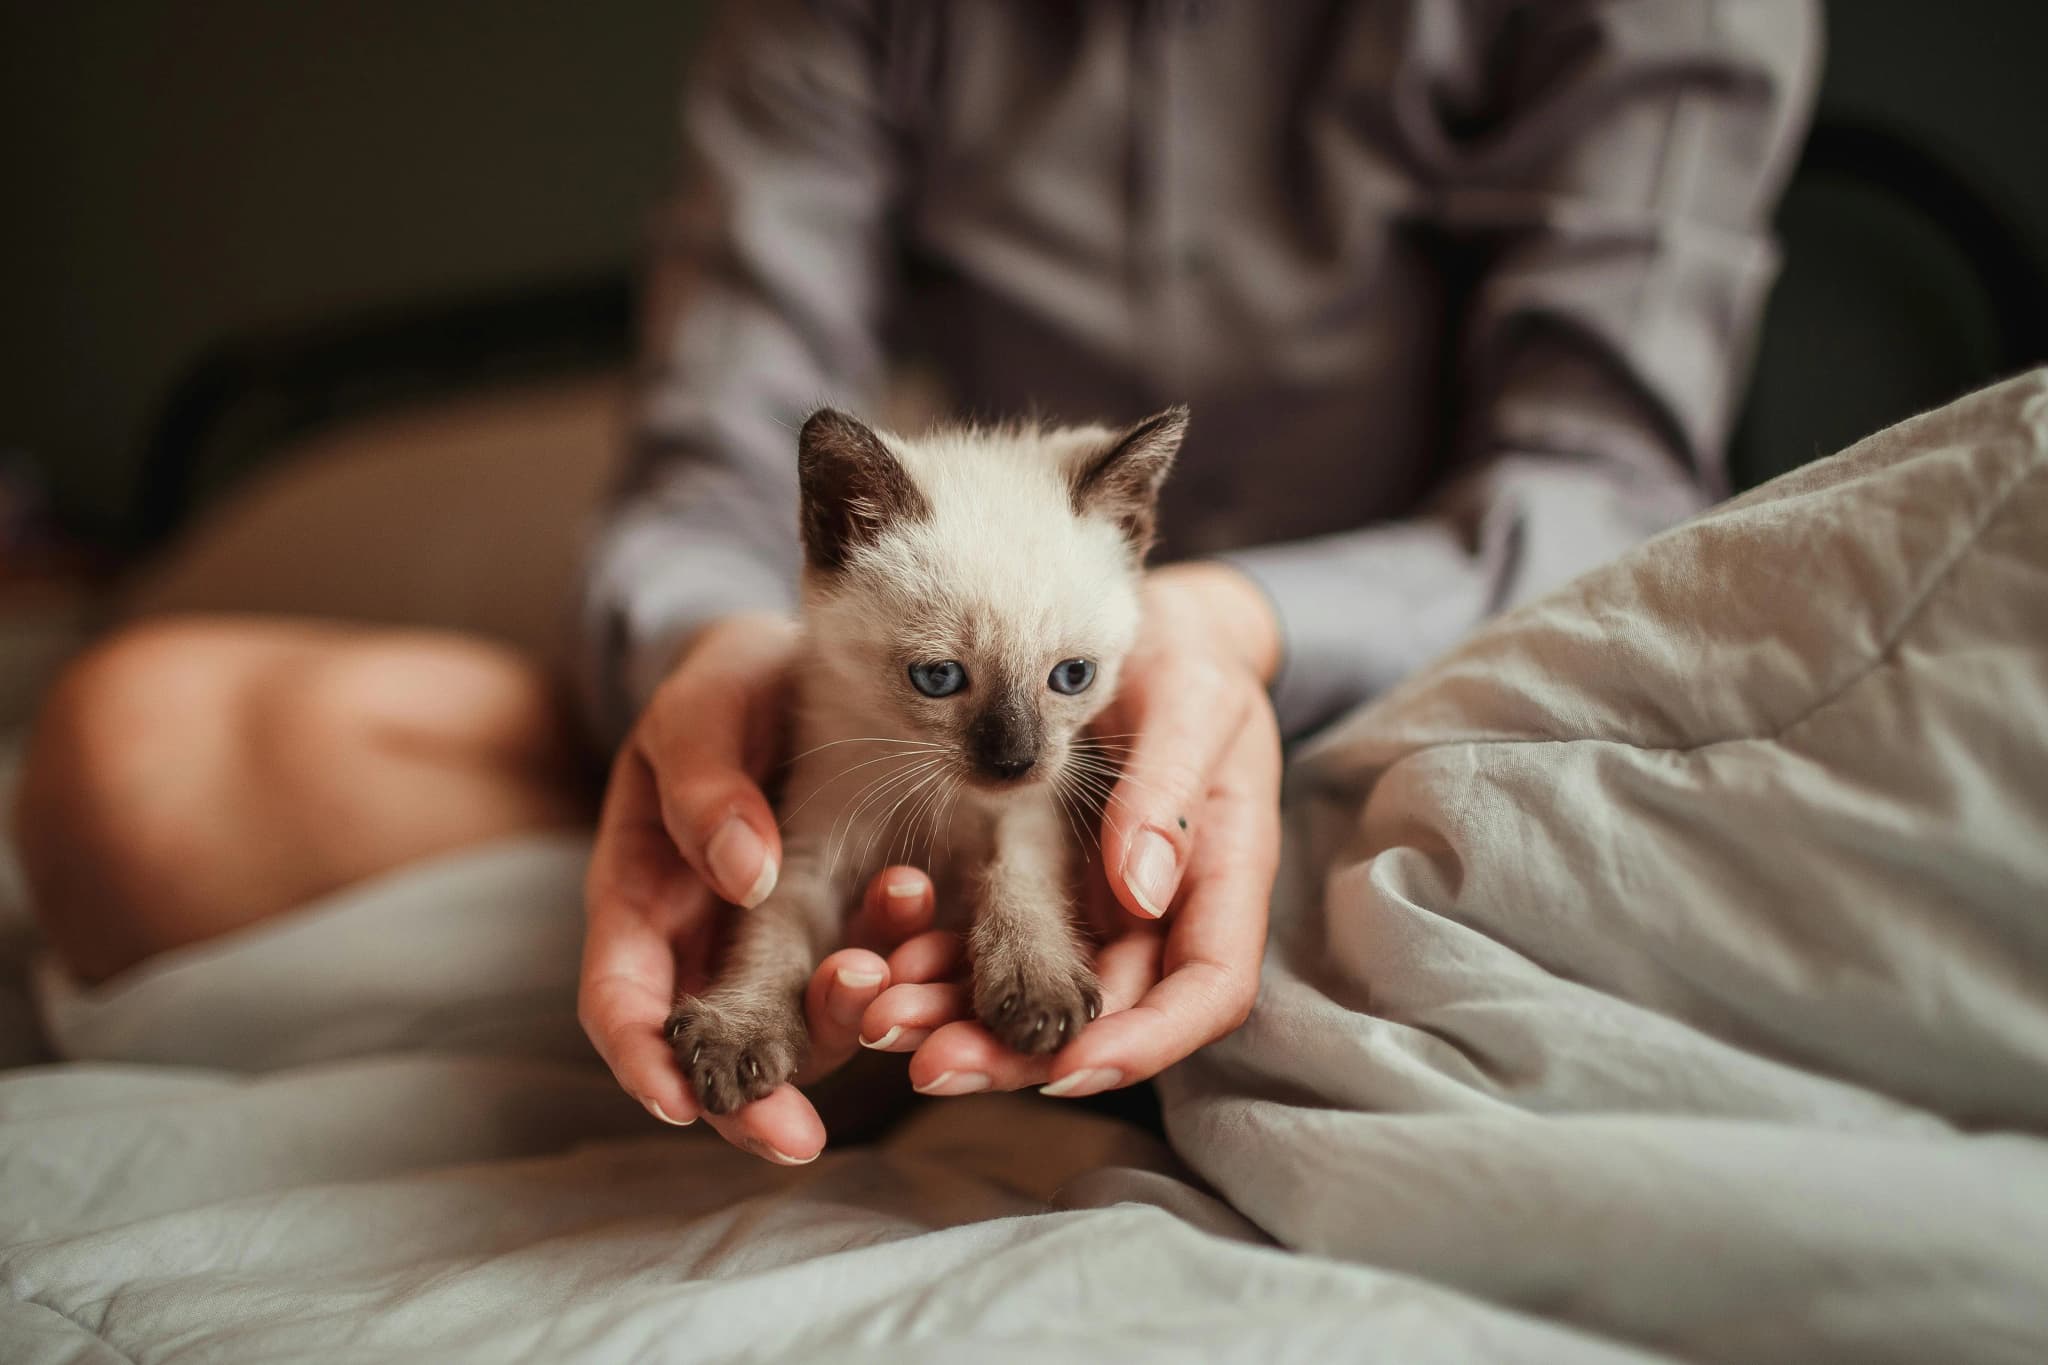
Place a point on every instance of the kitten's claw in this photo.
(736, 1055)
(1041, 1006)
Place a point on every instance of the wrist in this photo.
(1232, 608)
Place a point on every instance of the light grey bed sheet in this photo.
(1662, 975)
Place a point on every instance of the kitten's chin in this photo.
(991, 785)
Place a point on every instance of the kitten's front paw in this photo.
(735, 1055)
(1036, 1007)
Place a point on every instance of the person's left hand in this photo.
(1192, 832)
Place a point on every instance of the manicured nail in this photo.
(954, 1083)
(1086, 1081)
(1152, 870)
(738, 858)
(898, 1039)
(781, 1159)
(851, 994)
(662, 1114)
(906, 889)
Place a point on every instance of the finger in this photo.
(933, 956)
(905, 1015)
(897, 905)
(1185, 721)
(840, 991)
(1128, 966)
(1213, 948)
(706, 738)
(640, 900)
(781, 1127)
(963, 1058)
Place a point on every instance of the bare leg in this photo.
(1033, 985)
(192, 776)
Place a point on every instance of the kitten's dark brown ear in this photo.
(1122, 482)
(852, 488)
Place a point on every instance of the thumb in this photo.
(711, 731)
(1184, 723)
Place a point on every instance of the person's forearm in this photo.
(1357, 612)
(1624, 206)
(765, 299)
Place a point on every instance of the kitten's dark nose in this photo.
(1002, 743)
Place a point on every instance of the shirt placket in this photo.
(1176, 254)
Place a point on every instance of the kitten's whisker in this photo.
(873, 792)
(862, 739)
(932, 808)
(871, 785)
(899, 818)
(953, 809)
(905, 816)
(885, 823)
(1101, 789)
(1120, 775)
(914, 810)
(833, 780)
(1061, 795)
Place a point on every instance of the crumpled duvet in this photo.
(1664, 974)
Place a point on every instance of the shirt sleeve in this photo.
(1612, 167)
(765, 300)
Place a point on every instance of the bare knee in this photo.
(426, 693)
(192, 775)
(122, 769)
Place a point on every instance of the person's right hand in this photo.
(685, 828)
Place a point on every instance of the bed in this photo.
(1663, 974)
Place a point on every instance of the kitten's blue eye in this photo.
(941, 679)
(1072, 676)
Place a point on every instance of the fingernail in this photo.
(1151, 870)
(783, 1159)
(1086, 1081)
(850, 999)
(738, 858)
(954, 1083)
(908, 889)
(898, 1039)
(662, 1114)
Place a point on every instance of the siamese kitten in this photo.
(968, 600)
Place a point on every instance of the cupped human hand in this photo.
(685, 835)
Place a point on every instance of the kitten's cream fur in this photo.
(1009, 551)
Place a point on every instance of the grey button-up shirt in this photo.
(1461, 291)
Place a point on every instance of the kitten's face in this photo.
(978, 591)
